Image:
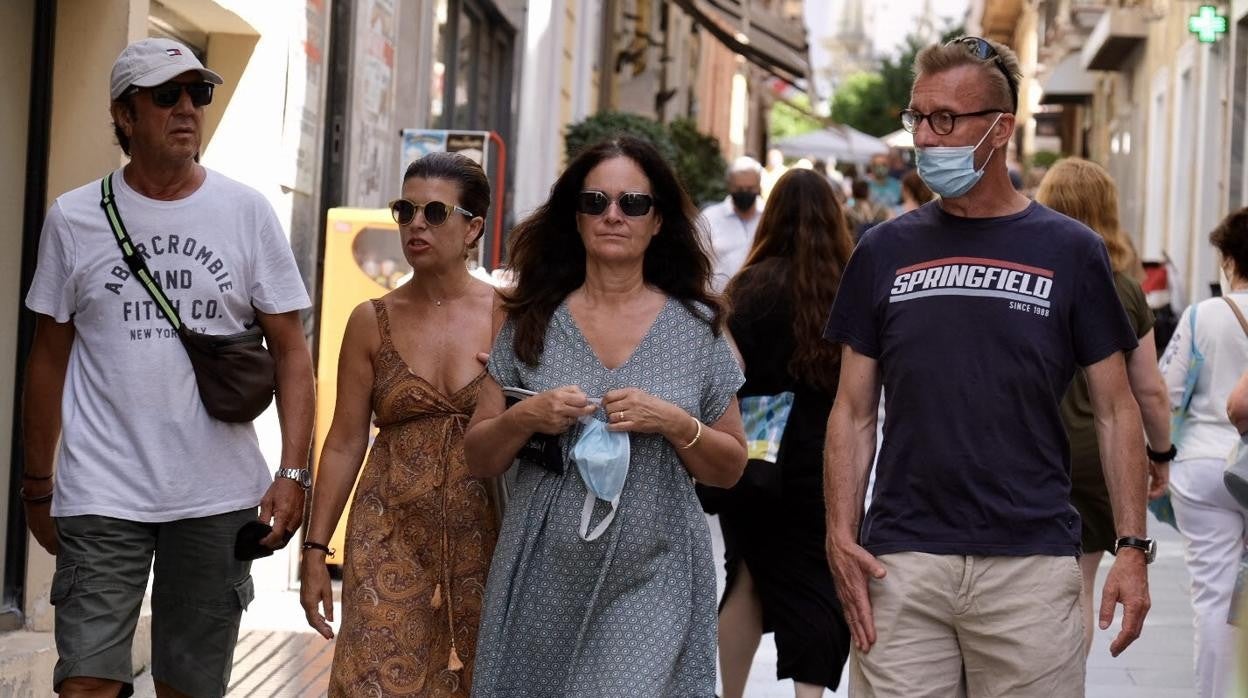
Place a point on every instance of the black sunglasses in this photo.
(632, 203)
(167, 94)
(984, 51)
(436, 212)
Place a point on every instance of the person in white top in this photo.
(730, 224)
(1212, 522)
(144, 473)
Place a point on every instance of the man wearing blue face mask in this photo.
(972, 312)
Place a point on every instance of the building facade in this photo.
(315, 93)
(1130, 85)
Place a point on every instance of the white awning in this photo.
(842, 142)
(901, 138)
(1069, 83)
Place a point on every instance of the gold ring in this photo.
(619, 416)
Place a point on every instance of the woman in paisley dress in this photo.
(610, 320)
(421, 529)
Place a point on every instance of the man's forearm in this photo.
(847, 454)
(1121, 439)
(41, 430)
(296, 405)
(41, 417)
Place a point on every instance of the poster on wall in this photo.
(418, 142)
(371, 106)
(305, 70)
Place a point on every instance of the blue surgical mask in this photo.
(950, 170)
(602, 458)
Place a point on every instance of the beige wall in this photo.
(16, 21)
(89, 35)
(1180, 218)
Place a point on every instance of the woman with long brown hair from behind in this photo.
(773, 522)
(1084, 191)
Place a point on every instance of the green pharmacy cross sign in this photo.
(1207, 24)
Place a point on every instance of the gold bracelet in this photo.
(696, 436)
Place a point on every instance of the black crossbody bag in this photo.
(234, 372)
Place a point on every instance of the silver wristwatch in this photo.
(303, 476)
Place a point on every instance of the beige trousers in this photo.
(953, 625)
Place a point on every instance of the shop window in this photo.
(471, 81)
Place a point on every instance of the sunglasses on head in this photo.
(983, 50)
(632, 203)
(436, 212)
(167, 94)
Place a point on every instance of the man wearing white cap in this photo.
(144, 472)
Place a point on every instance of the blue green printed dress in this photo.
(633, 612)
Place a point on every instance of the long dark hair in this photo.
(803, 232)
(548, 257)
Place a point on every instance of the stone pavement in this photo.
(279, 656)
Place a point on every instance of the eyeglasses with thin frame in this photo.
(436, 212)
(633, 204)
(167, 94)
(982, 49)
(942, 122)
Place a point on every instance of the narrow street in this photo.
(277, 658)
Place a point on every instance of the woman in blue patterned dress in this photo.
(610, 320)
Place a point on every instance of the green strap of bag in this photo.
(235, 373)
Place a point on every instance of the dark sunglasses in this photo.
(436, 212)
(632, 203)
(984, 51)
(167, 94)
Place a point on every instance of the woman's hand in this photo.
(633, 409)
(555, 411)
(1158, 479)
(315, 589)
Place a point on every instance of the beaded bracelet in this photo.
(696, 436)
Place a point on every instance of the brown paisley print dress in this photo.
(418, 544)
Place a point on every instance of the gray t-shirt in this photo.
(136, 441)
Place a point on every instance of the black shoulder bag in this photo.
(235, 372)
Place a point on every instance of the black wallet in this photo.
(542, 450)
(247, 542)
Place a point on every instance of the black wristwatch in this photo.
(1148, 545)
(1163, 456)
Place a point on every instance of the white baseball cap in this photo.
(150, 62)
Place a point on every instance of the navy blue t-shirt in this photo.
(978, 325)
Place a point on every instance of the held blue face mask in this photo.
(950, 170)
(602, 458)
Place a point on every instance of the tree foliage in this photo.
(872, 102)
(695, 156)
(790, 120)
(609, 124)
(862, 102)
(700, 165)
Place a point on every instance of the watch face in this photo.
(303, 476)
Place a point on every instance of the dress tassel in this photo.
(454, 664)
(436, 601)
